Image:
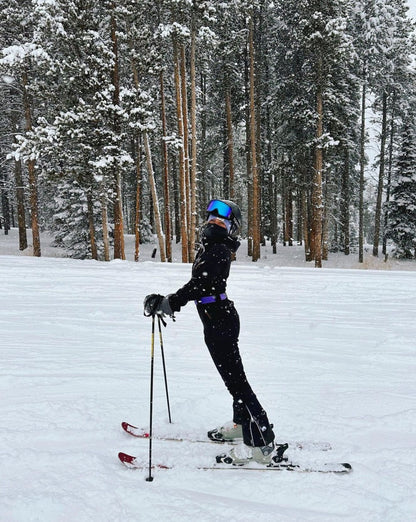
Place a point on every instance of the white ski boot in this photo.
(243, 454)
(228, 432)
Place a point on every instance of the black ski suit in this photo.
(221, 329)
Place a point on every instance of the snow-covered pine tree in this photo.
(290, 102)
(6, 140)
(342, 111)
(341, 103)
(365, 29)
(402, 92)
(402, 207)
(21, 61)
(86, 120)
(62, 137)
(142, 57)
(220, 50)
(394, 55)
(315, 58)
(176, 26)
(149, 60)
(265, 52)
(255, 196)
(80, 135)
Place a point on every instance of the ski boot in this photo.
(229, 432)
(264, 455)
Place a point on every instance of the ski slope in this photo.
(330, 353)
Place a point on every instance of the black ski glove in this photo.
(156, 304)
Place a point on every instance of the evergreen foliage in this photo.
(402, 208)
(83, 81)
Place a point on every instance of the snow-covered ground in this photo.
(330, 353)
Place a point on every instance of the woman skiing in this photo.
(207, 287)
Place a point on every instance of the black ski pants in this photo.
(221, 329)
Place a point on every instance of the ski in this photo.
(143, 434)
(131, 462)
(134, 463)
(325, 467)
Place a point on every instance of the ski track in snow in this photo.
(330, 353)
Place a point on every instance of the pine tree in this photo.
(22, 60)
(144, 65)
(79, 137)
(222, 61)
(315, 59)
(14, 24)
(402, 208)
(367, 34)
(267, 116)
(394, 49)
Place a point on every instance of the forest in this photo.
(127, 116)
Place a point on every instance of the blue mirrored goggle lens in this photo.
(222, 208)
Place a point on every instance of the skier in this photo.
(207, 287)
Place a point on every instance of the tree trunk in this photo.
(253, 144)
(20, 193)
(316, 243)
(248, 156)
(20, 200)
(377, 223)
(176, 200)
(138, 198)
(118, 219)
(299, 220)
(273, 211)
(266, 165)
(91, 227)
(166, 195)
(203, 152)
(230, 142)
(138, 161)
(193, 205)
(362, 169)
(5, 206)
(34, 208)
(389, 172)
(33, 182)
(268, 197)
(325, 218)
(104, 217)
(184, 92)
(258, 65)
(306, 225)
(182, 170)
(225, 166)
(288, 213)
(118, 208)
(345, 204)
(156, 211)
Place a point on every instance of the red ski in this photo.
(134, 463)
(141, 433)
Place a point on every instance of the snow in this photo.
(412, 8)
(17, 54)
(330, 353)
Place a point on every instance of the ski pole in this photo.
(152, 360)
(164, 368)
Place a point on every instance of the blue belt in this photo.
(211, 299)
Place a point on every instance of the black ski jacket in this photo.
(209, 271)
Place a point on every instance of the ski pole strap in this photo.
(211, 299)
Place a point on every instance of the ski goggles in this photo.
(223, 209)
